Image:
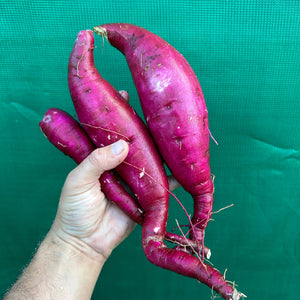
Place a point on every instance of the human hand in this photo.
(84, 214)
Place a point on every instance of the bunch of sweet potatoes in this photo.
(176, 134)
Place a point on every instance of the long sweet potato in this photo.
(107, 117)
(174, 108)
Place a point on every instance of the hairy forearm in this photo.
(59, 270)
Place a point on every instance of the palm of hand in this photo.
(86, 214)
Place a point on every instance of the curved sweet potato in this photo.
(174, 108)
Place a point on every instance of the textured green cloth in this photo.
(246, 55)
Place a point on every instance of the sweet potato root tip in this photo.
(100, 31)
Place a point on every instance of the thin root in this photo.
(58, 143)
(213, 138)
(102, 32)
(81, 58)
(216, 212)
(79, 61)
(213, 294)
(184, 235)
(102, 43)
(108, 130)
(224, 273)
(236, 293)
(213, 178)
(195, 252)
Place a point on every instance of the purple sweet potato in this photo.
(66, 134)
(175, 111)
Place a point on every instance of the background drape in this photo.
(246, 56)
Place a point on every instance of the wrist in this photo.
(72, 245)
(71, 265)
(61, 269)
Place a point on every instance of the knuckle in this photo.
(95, 157)
(71, 178)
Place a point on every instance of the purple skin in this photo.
(66, 134)
(106, 117)
(175, 111)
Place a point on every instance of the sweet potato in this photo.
(174, 108)
(66, 134)
(107, 117)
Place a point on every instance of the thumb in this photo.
(99, 161)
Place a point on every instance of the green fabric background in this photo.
(246, 55)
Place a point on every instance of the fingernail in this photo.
(117, 147)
